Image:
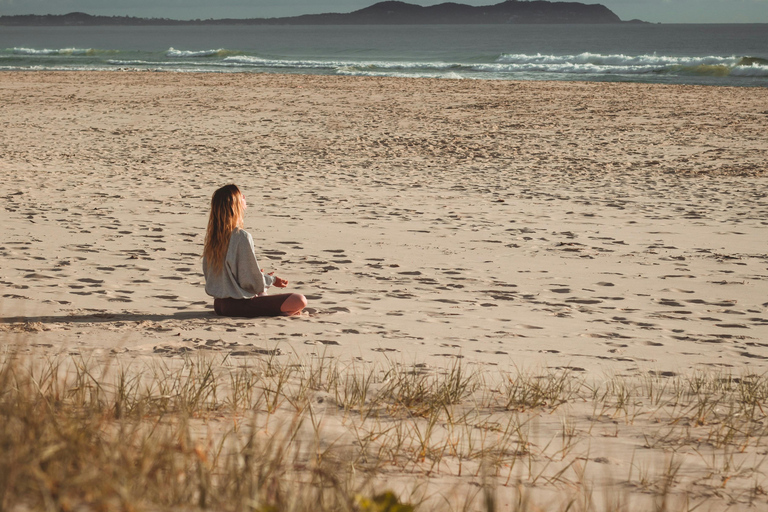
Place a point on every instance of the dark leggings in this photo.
(266, 305)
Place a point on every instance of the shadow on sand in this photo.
(105, 317)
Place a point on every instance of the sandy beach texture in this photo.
(605, 229)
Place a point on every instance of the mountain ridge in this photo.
(390, 12)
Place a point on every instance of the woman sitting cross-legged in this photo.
(232, 274)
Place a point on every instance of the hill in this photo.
(382, 13)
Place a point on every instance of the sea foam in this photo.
(619, 64)
(525, 66)
(181, 54)
(61, 51)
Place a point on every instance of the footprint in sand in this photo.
(35, 276)
(752, 356)
(670, 302)
(400, 294)
(677, 290)
(662, 374)
(273, 254)
(576, 300)
(337, 309)
(501, 294)
(91, 281)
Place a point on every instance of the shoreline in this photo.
(353, 77)
(182, 72)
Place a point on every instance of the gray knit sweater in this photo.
(241, 277)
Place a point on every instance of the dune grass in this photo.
(282, 434)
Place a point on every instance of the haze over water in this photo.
(728, 55)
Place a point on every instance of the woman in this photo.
(232, 274)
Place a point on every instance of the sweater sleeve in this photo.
(247, 271)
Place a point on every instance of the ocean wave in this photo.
(372, 68)
(57, 68)
(620, 60)
(506, 66)
(181, 54)
(618, 64)
(584, 64)
(435, 66)
(567, 68)
(156, 63)
(750, 71)
(181, 65)
(751, 61)
(247, 60)
(354, 71)
(60, 51)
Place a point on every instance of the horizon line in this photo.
(202, 20)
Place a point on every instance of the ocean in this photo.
(718, 55)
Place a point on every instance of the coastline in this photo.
(602, 229)
(718, 55)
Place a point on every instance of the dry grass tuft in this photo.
(269, 435)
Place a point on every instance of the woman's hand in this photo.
(279, 282)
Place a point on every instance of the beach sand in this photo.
(604, 228)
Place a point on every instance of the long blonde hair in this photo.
(226, 215)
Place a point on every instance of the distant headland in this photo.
(382, 13)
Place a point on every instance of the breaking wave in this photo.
(182, 54)
(618, 64)
(729, 70)
(61, 51)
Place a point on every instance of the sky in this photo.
(664, 11)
